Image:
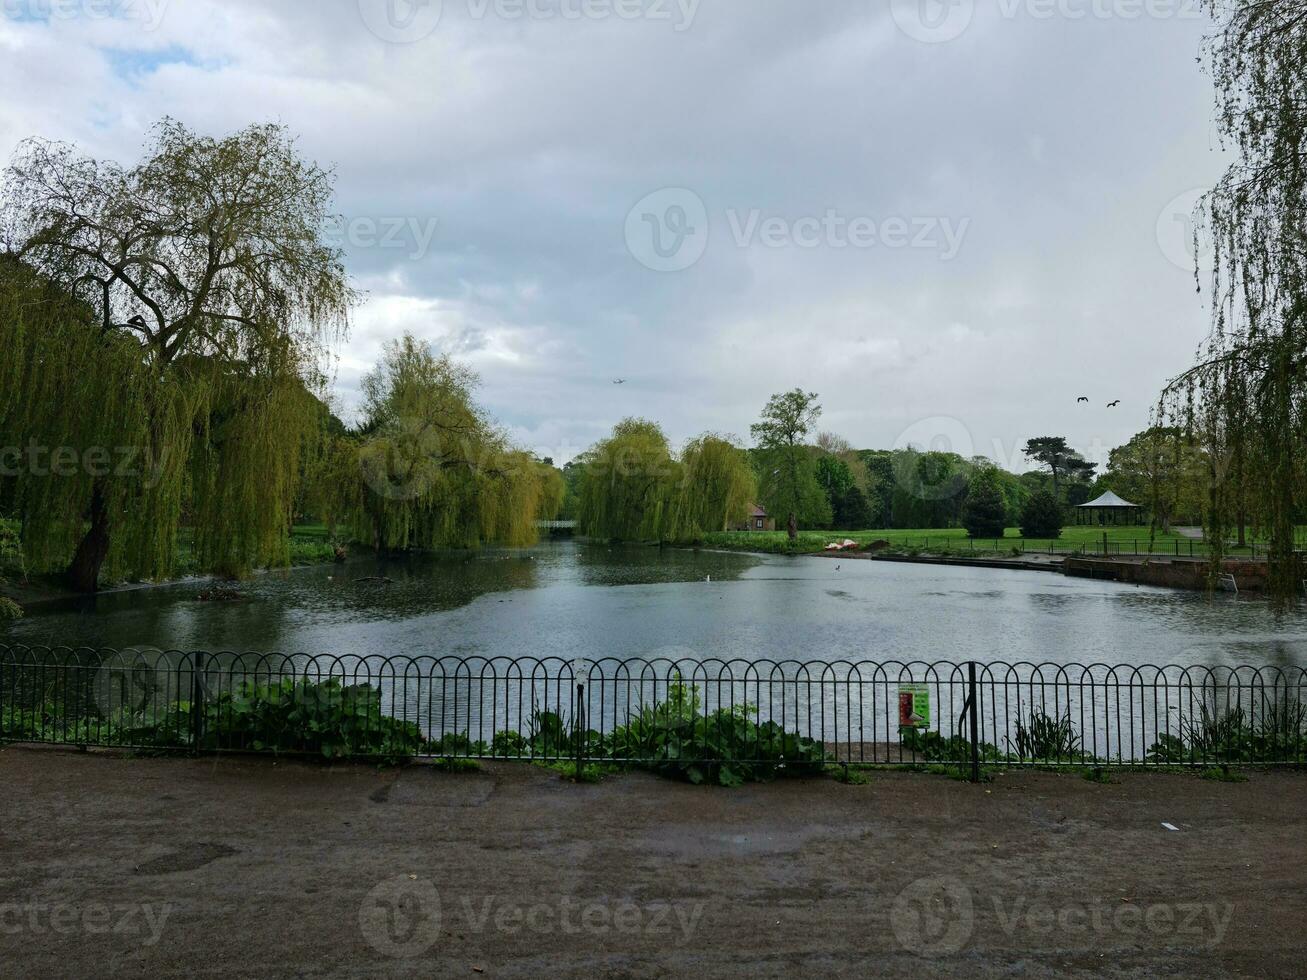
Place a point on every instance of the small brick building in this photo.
(758, 520)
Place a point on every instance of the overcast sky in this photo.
(950, 220)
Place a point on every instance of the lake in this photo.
(573, 600)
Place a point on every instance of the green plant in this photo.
(1041, 517)
(1223, 776)
(848, 776)
(12, 564)
(324, 718)
(9, 610)
(1043, 737)
(1280, 735)
(725, 746)
(458, 765)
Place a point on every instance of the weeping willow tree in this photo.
(173, 316)
(717, 486)
(1245, 399)
(553, 489)
(428, 469)
(628, 487)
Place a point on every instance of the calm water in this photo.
(570, 600)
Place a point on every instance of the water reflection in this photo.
(566, 600)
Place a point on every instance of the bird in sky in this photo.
(1114, 404)
(620, 381)
(1082, 400)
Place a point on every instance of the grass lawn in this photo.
(1122, 539)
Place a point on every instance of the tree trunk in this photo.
(792, 527)
(84, 570)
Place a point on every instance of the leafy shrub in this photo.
(9, 610)
(1042, 516)
(1279, 735)
(300, 716)
(12, 564)
(934, 747)
(727, 746)
(1043, 737)
(984, 514)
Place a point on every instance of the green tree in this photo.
(787, 419)
(553, 490)
(179, 309)
(428, 469)
(1042, 516)
(628, 484)
(1062, 461)
(1162, 468)
(716, 489)
(984, 514)
(1245, 401)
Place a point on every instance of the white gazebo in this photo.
(1107, 509)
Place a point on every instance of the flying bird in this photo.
(620, 381)
(1082, 400)
(1114, 404)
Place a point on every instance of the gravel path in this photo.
(115, 866)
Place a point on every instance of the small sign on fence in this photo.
(914, 706)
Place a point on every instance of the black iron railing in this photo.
(702, 718)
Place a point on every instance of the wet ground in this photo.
(114, 866)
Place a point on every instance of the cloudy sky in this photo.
(950, 219)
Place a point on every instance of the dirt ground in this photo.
(113, 866)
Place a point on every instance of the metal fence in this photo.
(785, 715)
(1113, 547)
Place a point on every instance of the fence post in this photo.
(580, 729)
(197, 700)
(975, 720)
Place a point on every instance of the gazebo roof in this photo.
(1108, 500)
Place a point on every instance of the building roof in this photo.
(756, 511)
(1107, 500)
